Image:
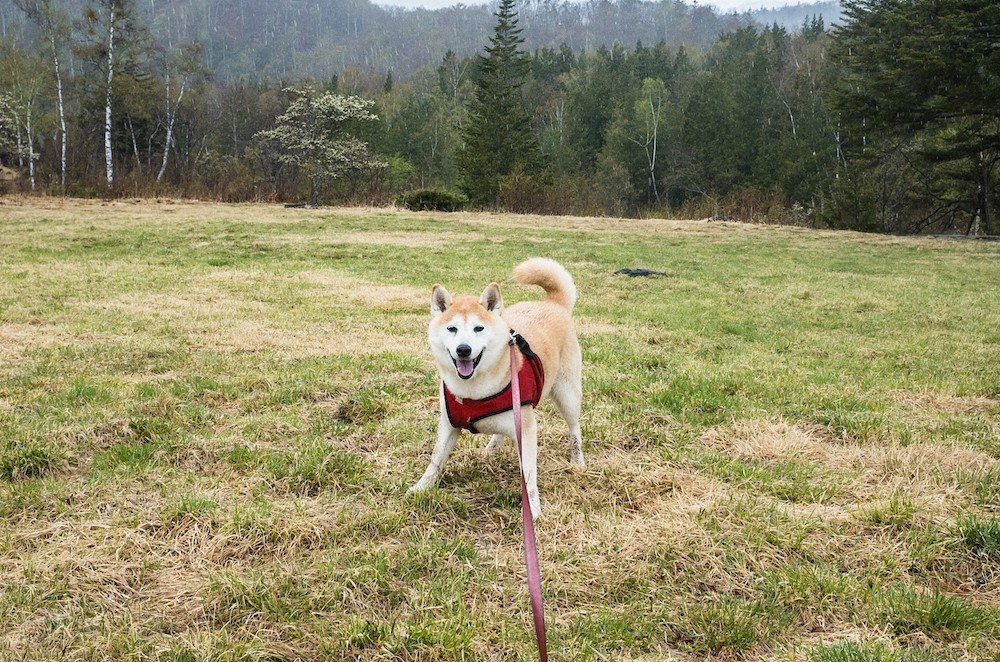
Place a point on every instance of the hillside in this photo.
(291, 39)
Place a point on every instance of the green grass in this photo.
(939, 616)
(210, 414)
(868, 652)
(981, 536)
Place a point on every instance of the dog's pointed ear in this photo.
(440, 300)
(491, 299)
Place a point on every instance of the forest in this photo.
(879, 116)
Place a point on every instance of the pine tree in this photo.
(498, 139)
(921, 80)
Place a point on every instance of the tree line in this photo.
(888, 122)
(292, 39)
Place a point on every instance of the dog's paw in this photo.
(418, 487)
(495, 444)
(535, 505)
(577, 461)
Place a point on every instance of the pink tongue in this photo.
(465, 367)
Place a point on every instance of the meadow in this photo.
(210, 414)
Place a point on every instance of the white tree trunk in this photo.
(791, 118)
(108, 163)
(62, 113)
(20, 145)
(171, 116)
(655, 116)
(135, 143)
(31, 146)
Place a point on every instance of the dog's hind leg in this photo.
(496, 443)
(567, 394)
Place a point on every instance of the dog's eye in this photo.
(477, 329)
(452, 329)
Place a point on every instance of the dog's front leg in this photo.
(529, 458)
(446, 438)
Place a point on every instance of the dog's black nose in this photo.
(463, 351)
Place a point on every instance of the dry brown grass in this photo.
(924, 474)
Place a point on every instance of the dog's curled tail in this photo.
(551, 276)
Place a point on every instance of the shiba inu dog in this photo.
(469, 339)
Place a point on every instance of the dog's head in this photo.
(466, 334)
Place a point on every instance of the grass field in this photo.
(209, 416)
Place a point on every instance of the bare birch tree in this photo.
(102, 23)
(649, 112)
(115, 44)
(180, 73)
(53, 27)
(22, 75)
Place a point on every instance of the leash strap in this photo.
(530, 546)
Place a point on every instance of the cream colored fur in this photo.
(481, 324)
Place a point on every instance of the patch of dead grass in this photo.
(217, 316)
(924, 473)
(588, 326)
(197, 301)
(360, 291)
(17, 340)
(322, 340)
(941, 403)
(382, 238)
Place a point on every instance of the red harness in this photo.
(463, 413)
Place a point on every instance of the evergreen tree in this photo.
(922, 81)
(498, 138)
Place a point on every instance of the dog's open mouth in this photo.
(465, 367)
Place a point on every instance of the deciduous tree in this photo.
(115, 42)
(314, 135)
(54, 27)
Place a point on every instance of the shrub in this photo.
(432, 199)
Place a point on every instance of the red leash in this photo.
(530, 547)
